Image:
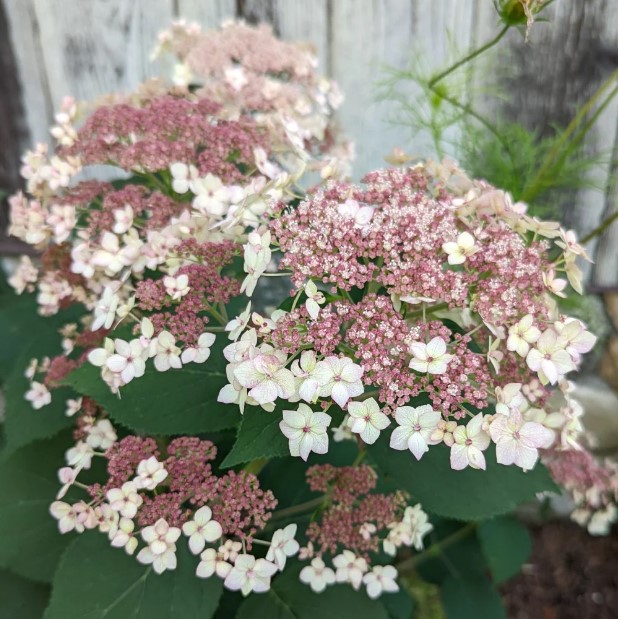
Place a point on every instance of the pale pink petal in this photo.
(417, 445)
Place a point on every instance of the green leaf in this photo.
(259, 436)
(21, 598)
(97, 581)
(463, 495)
(31, 544)
(162, 403)
(399, 605)
(288, 598)
(471, 598)
(506, 545)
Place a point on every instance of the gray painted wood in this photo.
(90, 47)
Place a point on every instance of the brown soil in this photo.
(570, 575)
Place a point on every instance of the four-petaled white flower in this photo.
(416, 426)
(123, 219)
(517, 441)
(249, 574)
(304, 369)
(67, 517)
(382, 578)
(237, 325)
(350, 568)
(182, 175)
(176, 287)
(317, 575)
(123, 537)
(265, 376)
(521, 335)
(430, 358)
(80, 455)
(212, 562)
(167, 353)
(150, 473)
(128, 360)
(283, 545)
(361, 215)
(66, 476)
(201, 529)
(105, 310)
(257, 255)
(38, 395)
(211, 195)
(339, 378)
(577, 341)
(470, 442)
(314, 299)
(367, 419)
(101, 435)
(125, 500)
(202, 352)
(549, 359)
(161, 549)
(306, 431)
(460, 249)
(508, 398)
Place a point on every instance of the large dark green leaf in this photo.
(259, 436)
(506, 545)
(471, 598)
(21, 598)
(97, 581)
(174, 402)
(463, 495)
(288, 598)
(31, 544)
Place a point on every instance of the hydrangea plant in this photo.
(315, 449)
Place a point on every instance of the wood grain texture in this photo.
(89, 47)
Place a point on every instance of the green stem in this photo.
(298, 509)
(436, 549)
(600, 228)
(533, 188)
(471, 56)
(256, 466)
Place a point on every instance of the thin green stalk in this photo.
(600, 228)
(298, 509)
(436, 549)
(471, 56)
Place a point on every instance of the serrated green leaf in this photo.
(163, 403)
(471, 598)
(463, 495)
(21, 598)
(506, 545)
(288, 598)
(31, 544)
(97, 581)
(259, 436)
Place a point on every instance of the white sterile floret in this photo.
(521, 335)
(167, 353)
(125, 500)
(381, 579)
(150, 473)
(101, 435)
(38, 395)
(176, 287)
(314, 299)
(124, 537)
(350, 568)
(182, 174)
(367, 420)
(201, 529)
(317, 575)
(161, 549)
(105, 310)
(128, 360)
(549, 358)
(283, 545)
(212, 562)
(304, 369)
(416, 425)
(266, 377)
(470, 442)
(200, 353)
(462, 248)
(430, 358)
(250, 574)
(339, 378)
(306, 431)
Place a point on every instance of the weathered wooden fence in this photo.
(88, 47)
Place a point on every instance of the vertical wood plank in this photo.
(25, 40)
(207, 13)
(108, 52)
